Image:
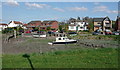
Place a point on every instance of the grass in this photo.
(76, 58)
(104, 37)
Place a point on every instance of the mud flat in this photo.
(39, 45)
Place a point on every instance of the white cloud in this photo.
(112, 11)
(100, 9)
(35, 5)
(12, 2)
(58, 9)
(104, 9)
(78, 9)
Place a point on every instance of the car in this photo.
(115, 33)
(108, 32)
(97, 32)
(51, 32)
(28, 32)
(72, 33)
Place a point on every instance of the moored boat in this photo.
(41, 35)
(62, 40)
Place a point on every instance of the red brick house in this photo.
(33, 24)
(51, 24)
(42, 25)
(117, 24)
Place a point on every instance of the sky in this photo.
(60, 11)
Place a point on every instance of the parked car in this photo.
(72, 33)
(108, 32)
(115, 33)
(28, 32)
(51, 32)
(97, 32)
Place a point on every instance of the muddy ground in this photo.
(39, 45)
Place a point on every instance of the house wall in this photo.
(97, 25)
(81, 26)
(54, 25)
(118, 25)
(2, 27)
(107, 24)
(12, 24)
(72, 28)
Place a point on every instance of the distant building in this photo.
(33, 24)
(102, 23)
(78, 25)
(43, 25)
(51, 24)
(3, 26)
(117, 24)
(24, 26)
(15, 24)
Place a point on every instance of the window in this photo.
(72, 27)
(59, 39)
(81, 27)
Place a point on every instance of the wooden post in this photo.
(15, 33)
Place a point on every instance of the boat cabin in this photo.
(61, 39)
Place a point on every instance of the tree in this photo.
(78, 18)
(48, 28)
(60, 28)
(90, 27)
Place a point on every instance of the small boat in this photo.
(41, 35)
(62, 40)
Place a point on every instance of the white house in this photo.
(78, 25)
(3, 26)
(15, 24)
(24, 26)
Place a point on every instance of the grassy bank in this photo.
(99, 37)
(77, 58)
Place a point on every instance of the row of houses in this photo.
(31, 25)
(74, 24)
(98, 23)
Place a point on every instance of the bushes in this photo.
(7, 30)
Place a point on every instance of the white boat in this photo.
(62, 40)
(41, 35)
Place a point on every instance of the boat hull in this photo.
(70, 42)
(37, 36)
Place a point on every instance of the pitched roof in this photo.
(25, 24)
(3, 24)
(16, 22)
(34, 22)
(98, 19)
(49, 21)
